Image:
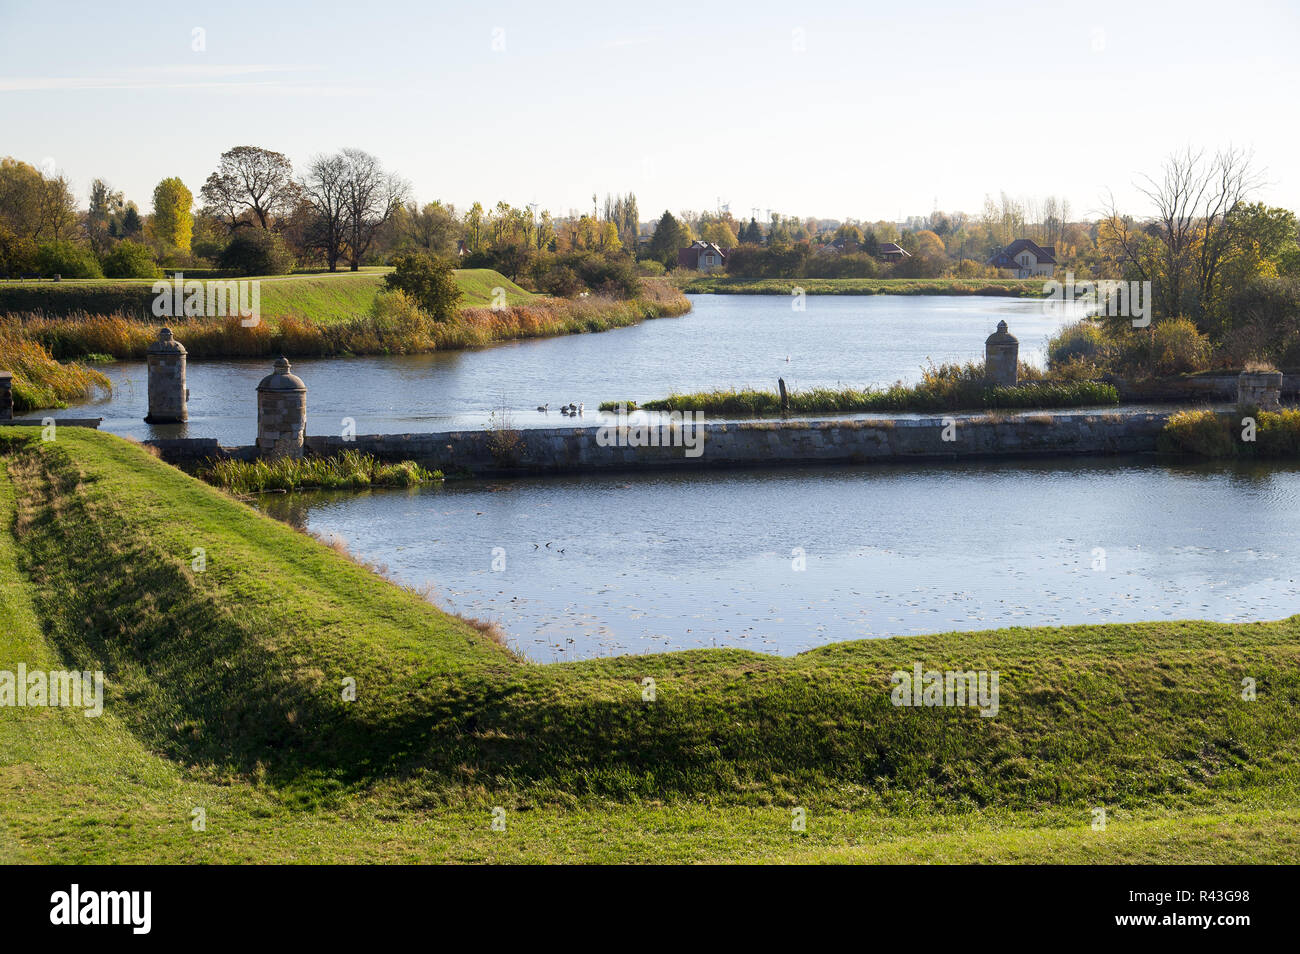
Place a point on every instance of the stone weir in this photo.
(692, 446)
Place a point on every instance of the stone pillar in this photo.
(1261, 389)
(1002, 357)
(167, 392)
(281, 413)
(6, 396)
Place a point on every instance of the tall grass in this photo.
(943, 388)
(1170, 346)
(40, 380)
(393, 326)
(1206, 433)
(350, 470)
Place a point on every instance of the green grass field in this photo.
(325, 297)
(722, 285)
(224, 694)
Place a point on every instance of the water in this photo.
(726, 341)
(616, 564)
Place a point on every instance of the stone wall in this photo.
(1192, 388)
(756, 444)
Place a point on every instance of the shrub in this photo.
(129, 259)
(562, 282)
(1265, 323)
(606, 273)
(253, 251)
(1208, 434)
(17, 254)
(429, 282)
(1080, 340)
(1180, 348)
(207, 250)
(396, 325)
(67, 260)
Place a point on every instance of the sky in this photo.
(834, 109)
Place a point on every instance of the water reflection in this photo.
(727, 341)
(618, 564)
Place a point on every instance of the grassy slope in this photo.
(476, 284)
(325, 297)
(223, 693)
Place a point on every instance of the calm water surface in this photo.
(611, 565)
(726, 341)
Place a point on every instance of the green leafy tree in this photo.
(129, 259)
(132, 224)
(17, 254)
(429, 282)
(252, 251)
(67, 260)
(173, 218)
(670, 235)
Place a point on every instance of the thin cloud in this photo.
(161, 77)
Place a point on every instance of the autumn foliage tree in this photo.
(173, 218)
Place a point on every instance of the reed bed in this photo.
(939, 392)
(1205, 433)
(350, 470)
(40, 380)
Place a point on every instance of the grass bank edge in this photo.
(1123, 715)
(46, 353)
(991, 287)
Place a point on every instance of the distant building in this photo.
(845, 246)
(891, 252)
(1023, 259)
(702, 256)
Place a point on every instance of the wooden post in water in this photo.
(785, 398)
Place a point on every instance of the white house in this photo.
(1023, 259)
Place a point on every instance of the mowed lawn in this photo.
(223, 704)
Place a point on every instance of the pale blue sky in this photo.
(886, 109)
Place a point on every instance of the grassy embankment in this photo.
(721, 285)
(224, 693)
(302, 316)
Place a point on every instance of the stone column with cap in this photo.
(168, 395)
(1002, 357)
(281, 413)
(6, 396)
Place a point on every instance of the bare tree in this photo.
(325, 187)
(251, 179)
(1182, 249)
(1193, 199)
(370, 196)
